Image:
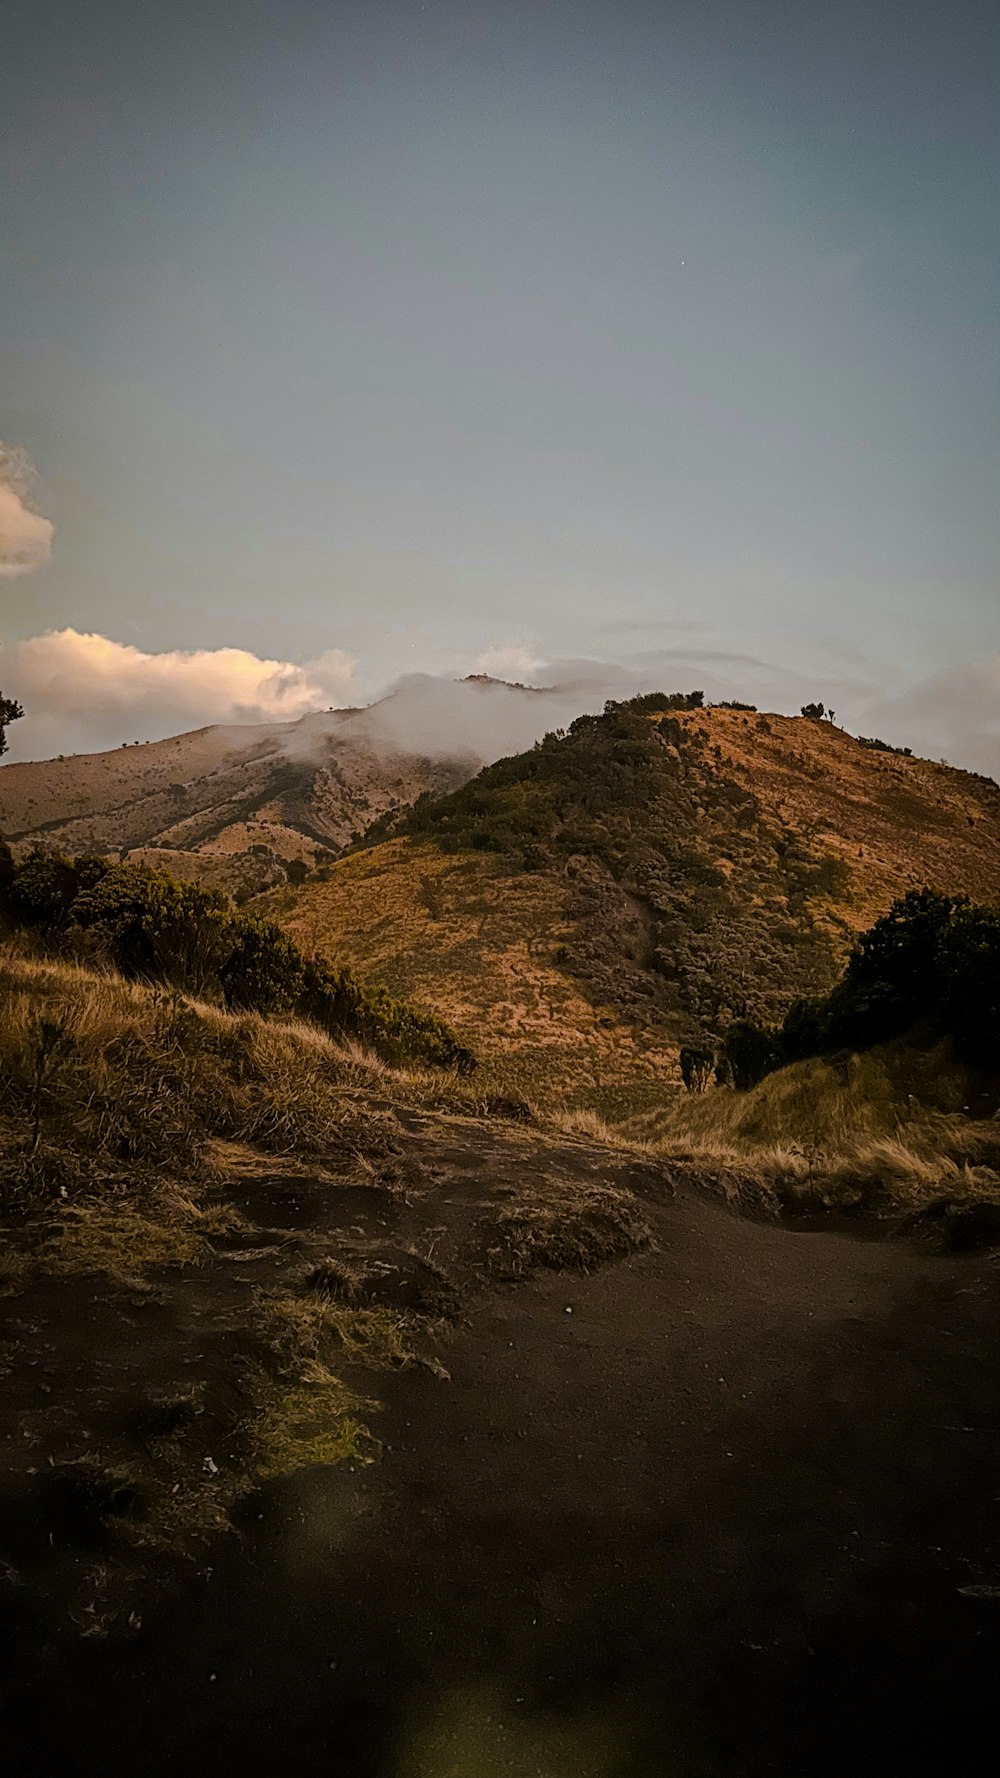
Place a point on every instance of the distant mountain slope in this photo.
(580, 910)
(226, 803)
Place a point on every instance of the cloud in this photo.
(953, 715)
(514, 662)
(423, 713)
(86, 692)
(25, 536)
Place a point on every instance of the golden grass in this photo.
(460, 938)
(882, 1130)
(895, 822)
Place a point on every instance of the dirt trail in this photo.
(729, 1507)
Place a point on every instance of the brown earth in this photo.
(725, 1507)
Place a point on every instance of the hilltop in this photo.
(582, 909)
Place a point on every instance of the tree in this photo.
(696, 1067)
(749, 1051)
(10, 711)
(815, 712)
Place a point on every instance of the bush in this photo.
(749, 1052)
(343, 1006)
(874, 745)
(933, 959)
(157, 929)
(265, 970)
(696, 1067)
(40, 891)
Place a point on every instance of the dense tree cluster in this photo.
(156, 928)
(931, 962)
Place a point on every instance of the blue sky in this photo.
(415, 331)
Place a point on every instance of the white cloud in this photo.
(25, 536)
(514, 662)
(85, 692)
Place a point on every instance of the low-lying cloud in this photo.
(85, 692)
(25, 534)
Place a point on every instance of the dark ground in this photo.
(730, 1507)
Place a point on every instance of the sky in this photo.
(346, 342)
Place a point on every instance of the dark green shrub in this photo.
(157, 927)
(42, 889)
(749, 1052)
(265, 970)
(345, 1007)
(874, 745)
(891, 978)
(969, 980)
(805, 1029)
(932, 959)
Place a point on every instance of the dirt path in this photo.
(729, 1507)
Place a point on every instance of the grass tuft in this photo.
(566, 1231)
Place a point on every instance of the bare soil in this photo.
(728, 1506)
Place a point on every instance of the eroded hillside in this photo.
(227, 804)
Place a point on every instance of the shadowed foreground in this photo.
(727, 1507)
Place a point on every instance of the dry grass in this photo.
(479, 947)
(896, 823)
(887, 1131)
(560, 1229)
(143, 1104)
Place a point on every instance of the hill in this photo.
(228, 804)
(579, 911)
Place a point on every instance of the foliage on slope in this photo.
(155, 928)
(933, 961)
(633, 802)
(588, 908)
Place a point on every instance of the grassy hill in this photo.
(581, 910)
